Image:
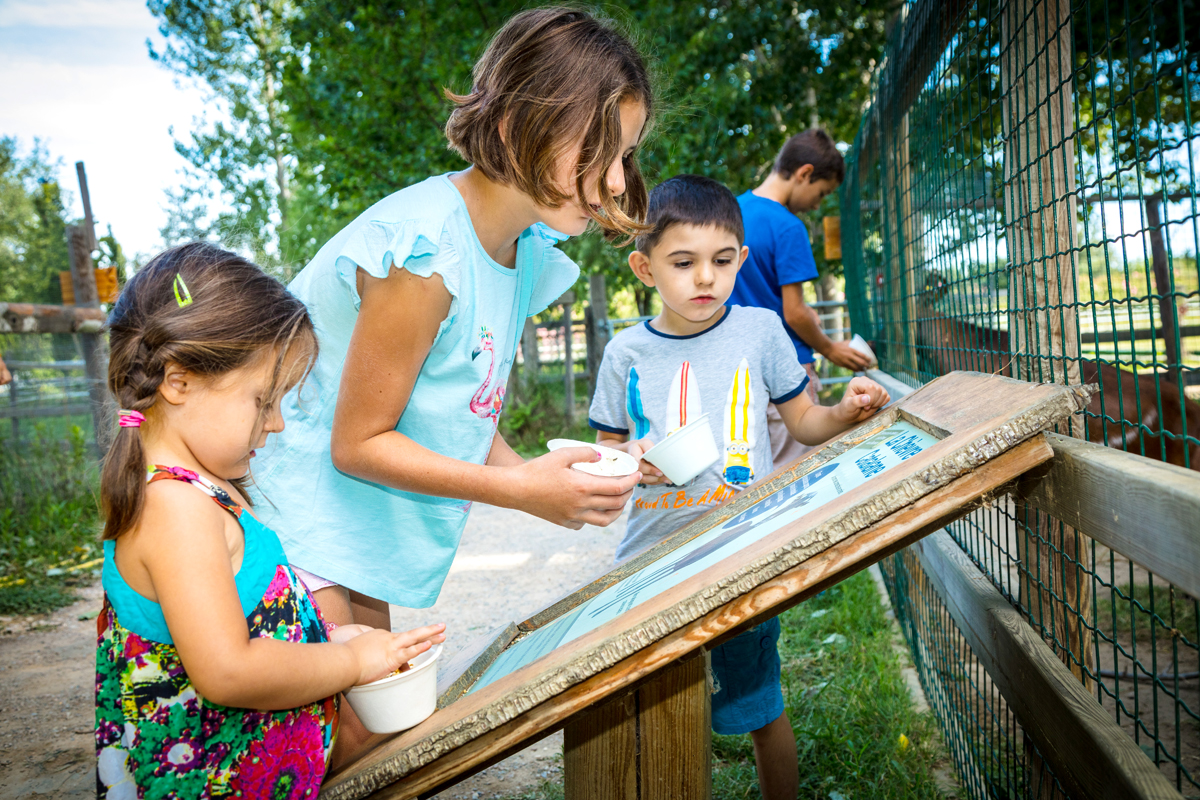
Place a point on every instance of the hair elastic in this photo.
(127, 418)
(184, 299)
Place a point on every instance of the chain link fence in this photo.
(49, 384)
(1021, 199)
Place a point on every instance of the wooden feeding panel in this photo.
(918, 465)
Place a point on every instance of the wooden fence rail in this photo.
(1144, 510)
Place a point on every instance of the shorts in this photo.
(746, 669)
(313, 582)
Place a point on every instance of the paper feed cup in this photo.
(399, 702)
(686, 453)
(860, 344)
(612, 463)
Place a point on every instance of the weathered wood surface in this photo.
(602, 744)
(982, 417)
(95, 348)
(652, 744)
(37, 318)
(458, 675)
(927, 515)
(1145, 510)
(1089, 753)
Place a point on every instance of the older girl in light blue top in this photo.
(418, 306)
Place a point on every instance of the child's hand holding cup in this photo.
(381, 652)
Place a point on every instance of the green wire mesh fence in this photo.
(1021, 199)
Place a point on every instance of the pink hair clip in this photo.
(127, 418)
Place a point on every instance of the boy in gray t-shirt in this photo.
(698, 357)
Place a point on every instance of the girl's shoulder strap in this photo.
(157, 472)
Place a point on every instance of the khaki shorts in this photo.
(785, 449)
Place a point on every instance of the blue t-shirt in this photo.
(779, 255)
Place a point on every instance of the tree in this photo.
(358, 107)
(238, 51)
(33, 220)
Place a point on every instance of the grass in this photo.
(49, 518)
(848, 704)
(1141, 598)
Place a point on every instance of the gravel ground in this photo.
(508, 566)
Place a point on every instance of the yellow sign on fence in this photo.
(106, 285)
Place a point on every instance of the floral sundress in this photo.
(156, 736)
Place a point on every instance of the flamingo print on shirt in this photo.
(487, 404)
(739, 429)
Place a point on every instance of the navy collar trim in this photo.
(712, 327)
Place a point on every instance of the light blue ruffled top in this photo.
(386, 543)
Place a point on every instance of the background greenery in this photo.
(335, 104)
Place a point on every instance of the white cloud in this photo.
(73, 13)
(93, 95)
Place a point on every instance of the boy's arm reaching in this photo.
(804, 321)
(812, 424)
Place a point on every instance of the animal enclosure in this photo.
(1021, 200)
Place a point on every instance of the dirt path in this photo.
(509, 565)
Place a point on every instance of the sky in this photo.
(77, 74)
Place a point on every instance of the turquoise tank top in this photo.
(386, 543)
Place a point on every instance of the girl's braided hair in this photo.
(210, 312)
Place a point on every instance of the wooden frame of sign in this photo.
(982, 432)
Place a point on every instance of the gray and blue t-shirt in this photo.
(651, 383)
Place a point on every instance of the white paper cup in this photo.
(860, 344)
(686, 453)
(399, 702)
(612, 463)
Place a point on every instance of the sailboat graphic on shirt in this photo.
(739, 428)
(683, 399)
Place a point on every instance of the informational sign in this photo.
(919, 464)
(894, 444)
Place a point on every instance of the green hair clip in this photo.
(183, 298)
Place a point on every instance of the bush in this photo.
(49, 518)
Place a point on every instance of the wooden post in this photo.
(95, 352)
(1163, 286)
(900, 251)
(531, 357)
(913, 263)
(652, 744)
(597, 327)
(568, 361)
(1039, 210)
(88, 222)
(12, 401)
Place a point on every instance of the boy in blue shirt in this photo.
(700, 355)
(807, 169)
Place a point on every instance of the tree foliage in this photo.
(358, 106)
(33, 245)
(237, 51)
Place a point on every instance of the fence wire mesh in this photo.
(49, 384)
(1021, 199)
(990, 752)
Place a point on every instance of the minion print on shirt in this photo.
(739, 428)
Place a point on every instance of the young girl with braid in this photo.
(215, 675)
